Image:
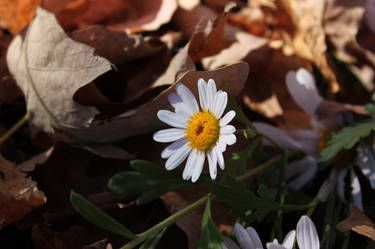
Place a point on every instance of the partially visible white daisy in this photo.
(307, 237)
(198, 132)
(301, 86)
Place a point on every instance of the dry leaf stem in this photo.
(14, 128)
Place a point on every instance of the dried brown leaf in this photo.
(133, 16)
(16, 14)
(18, 194)
(342, 20)
(309, 39)
(358, 222)
(49, 67)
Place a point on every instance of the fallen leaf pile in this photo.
(91, 76)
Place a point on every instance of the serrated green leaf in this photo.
(211, 237)
(370, 108)
(153, 241)
(347, 138)
(150, 181)
(98, 217)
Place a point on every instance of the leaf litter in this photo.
(93, 75)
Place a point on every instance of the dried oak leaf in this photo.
(309, 38)
(49, 67)
(358, 222)
(16, 14)
(18, 194)
(342, 20)
(133, 16)
(208, 39)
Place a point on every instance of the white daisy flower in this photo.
(302, 88)
(198, 132)
(307, 237)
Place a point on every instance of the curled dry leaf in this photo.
(358, 222)
(16, 14)
(208, 39)
(133, 16)
(18, 194)
(29, 165)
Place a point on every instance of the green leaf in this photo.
(347, 138)
(153, 241)
(98, 217)
(239, 199)
(211, 237)
(150, 181)
(240, 116)
(370, 108)
(238, 162)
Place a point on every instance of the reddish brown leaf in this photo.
(16, 14)
(358, 222)
(18, 194)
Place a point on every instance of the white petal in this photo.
(174, 99)
(168, 135)
(168, 151)
(244, 239)
(288, 242)
(221, 145)
(221, 100)
(307, 237)
(229, 139)
(179, 105)
(280, 136)
(308, 139)
(211, 92)
(187, 97)
(301, 86)
(229, 244)
(227, 118)
(227, 130)
(172, 119)
(202, 89)
(301, 171)
(327, 186)
(198, 166)
(273, 245)
(254, 237)
(177, 157)
(212, 164)
(356, 191)
(188, 171)
(220, 158)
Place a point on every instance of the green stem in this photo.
(173, 218)
(165, 223)
(14, 128)
(314, 204)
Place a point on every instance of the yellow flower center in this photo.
(203, 131)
